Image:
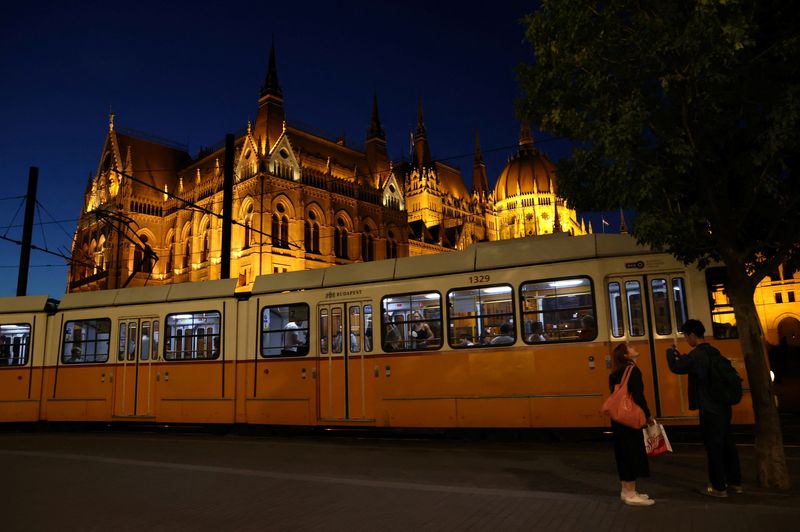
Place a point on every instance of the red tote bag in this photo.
(620, 405)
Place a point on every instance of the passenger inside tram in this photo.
(537, 332)
(588, 328)
(505, 337)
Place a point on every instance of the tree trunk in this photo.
(770, 458)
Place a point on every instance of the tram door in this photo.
(345, 388)
(647, 311)
(135, 376)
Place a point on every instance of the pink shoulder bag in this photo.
(620, 405)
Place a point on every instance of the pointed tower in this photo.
(377, 156)
(270, 116)
(556, 221)
(525, 136)
(623, 228)
(480, 183)
(422, 152)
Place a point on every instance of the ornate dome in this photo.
(528, 171)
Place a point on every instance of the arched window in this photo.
(391, 246)
(284, 232)
(367, 245)
(170, 251)
(100, 257)
(204, 244)
(187, 256)
(340, 239)
(311, 233)
(280, 228)
(276, 231)
(248, 227)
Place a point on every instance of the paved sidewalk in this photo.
(141, 481)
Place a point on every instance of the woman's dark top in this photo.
(422, 333)
(635, 386)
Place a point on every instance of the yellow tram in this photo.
(515, 333)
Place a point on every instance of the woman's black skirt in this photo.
(630, 453)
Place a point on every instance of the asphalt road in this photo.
(166, 480)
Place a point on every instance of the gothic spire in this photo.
(557, 221)
(422, 152)
(270, 118)
(420, 119)
(622, 227)
(480, 184)
(375, 128)
(271, 85)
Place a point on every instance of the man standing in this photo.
(724, 472)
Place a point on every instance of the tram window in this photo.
(723, 319)
(123, 330)
(564, 307)
(633, 293)
(658, 289)
(679, 301)
(145, 349)
(355, 329)
(368, 328)
(86, 341)
(411, 321)
(189, 335)
(284, 330)
(155, 341)
(15, 340)
(336, 330)
(131, 341)
(617, 313)
(477, 315)
(323, 331)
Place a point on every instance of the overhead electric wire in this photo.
(14, 217)
(53, 219)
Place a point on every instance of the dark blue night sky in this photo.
(190, 72)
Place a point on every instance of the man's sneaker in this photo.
(711, 492)
(736, 488)
(638, 500)
(642, 495)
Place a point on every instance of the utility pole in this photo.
(27, 232)
(227, 208)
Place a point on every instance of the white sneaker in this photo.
(638, 500)
(642, 495)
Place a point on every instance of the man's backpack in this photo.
(725, 384)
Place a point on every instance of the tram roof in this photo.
(544, 249)
(150, 294)
(11, 305)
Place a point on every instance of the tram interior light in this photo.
(567, 283)
(497, 290)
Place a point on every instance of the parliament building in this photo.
(152, 213)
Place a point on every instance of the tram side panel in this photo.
(195, 377)
(475, 380)
(278, 369)
(78, 383)
(22, 341)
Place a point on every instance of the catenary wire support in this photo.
(27, 232)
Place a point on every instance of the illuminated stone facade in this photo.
(152, 212)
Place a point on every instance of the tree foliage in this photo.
(689, 113)
(686, 111)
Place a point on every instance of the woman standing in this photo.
(420, 331)
(629, 448)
